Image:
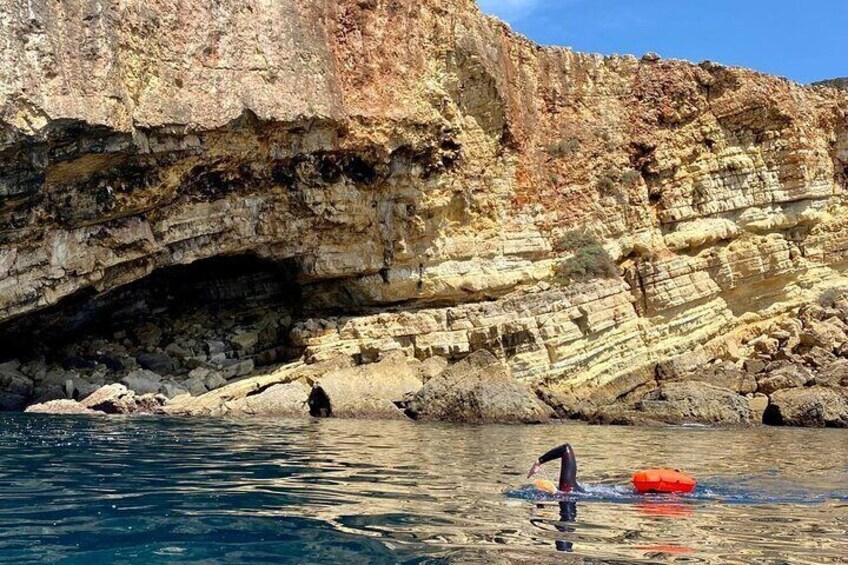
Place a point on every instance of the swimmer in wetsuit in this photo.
(567, 470)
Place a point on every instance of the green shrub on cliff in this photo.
(588, 258)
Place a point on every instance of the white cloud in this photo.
(508, 9)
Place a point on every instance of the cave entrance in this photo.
(204, 323)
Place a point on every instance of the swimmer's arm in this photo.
(551, 455)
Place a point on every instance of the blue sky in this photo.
(803, 40)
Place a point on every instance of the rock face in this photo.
(786, 376)
(810, 407)
(421, 178)
(15, 388)
(284, 392)
(288, 400)
(110, 399)
(726, 375)
(478, 389)
(682, 403)
(59, 407)
(369, 391)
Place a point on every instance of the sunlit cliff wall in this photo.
(442, 183)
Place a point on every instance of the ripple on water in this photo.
(89, 490)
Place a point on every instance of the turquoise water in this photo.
(98, 490)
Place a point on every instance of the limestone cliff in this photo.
(433, 182)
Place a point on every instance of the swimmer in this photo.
(567, 470)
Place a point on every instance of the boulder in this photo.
(142, 381)
(432, 367)
(834, 375)
(788, 375)
(758, 404)
(826, 335)
(288, 400)
(219, 401)
(195, 386)
(818, 357)
(232, 368)
(478, 389)
(726, 375)
(622, 415)
(754, 366)
(564, 403)
(366, 391)
(214, 347)
(148, 335)
(619, 387)
(199, 372)
(158, 362)
(170, 389)
(689, 402)
(112, 399)
(765, 345)
(676, 368)
(150, 403)
(15, 388)
(810, 407)
(35, 369)
(62, 406)
(245, 341)
(52, 386)
(84, 388)
(214, 380)
(177, 351)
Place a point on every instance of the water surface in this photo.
(156, 490)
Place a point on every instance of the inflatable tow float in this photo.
(663, 481)
(545, 486)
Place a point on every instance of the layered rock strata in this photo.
(430, 182)
(796, 374)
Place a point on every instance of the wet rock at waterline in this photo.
(815, 407)
(287, 400)
(64, 406)
(244, 397)
(111, 399)
(478, 389)
(368, 391)
(681, 403)
(741, 385)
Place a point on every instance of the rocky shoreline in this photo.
(793, 374)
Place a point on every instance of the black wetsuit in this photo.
(567, 469)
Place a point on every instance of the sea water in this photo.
(161, 490)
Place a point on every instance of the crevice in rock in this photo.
(772, 416)
(319, 404)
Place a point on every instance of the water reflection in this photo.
(567, 513)
(567, 516)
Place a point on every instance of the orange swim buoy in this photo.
(663, 480)
(545, 485)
